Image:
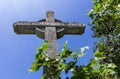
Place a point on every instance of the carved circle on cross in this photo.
(40, 32)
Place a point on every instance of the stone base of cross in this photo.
(49, 29)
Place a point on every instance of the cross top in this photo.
(38, 27)
(50, 16)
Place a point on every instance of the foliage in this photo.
(92, 71)
(105, 22)
(58, 64)
(105, 17)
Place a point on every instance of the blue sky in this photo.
(17, 51)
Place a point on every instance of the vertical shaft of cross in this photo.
(51, 37)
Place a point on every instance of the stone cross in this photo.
(49, 29)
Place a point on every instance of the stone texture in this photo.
(30, 27)
(51, 37)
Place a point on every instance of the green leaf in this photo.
(106, 71)
(71, 65)
(111, 65)
(68, 52)
(63, 66)
(96, 67)
(43, 77)
(65, 45)
(118, 29)
(97, 7)
(38, 48)
(57, 72)
(111, 1)
(94, 1)
(44, 46)
(81, 54)
(75, 55)
(98, 54)
(112, 72)
(35, 66)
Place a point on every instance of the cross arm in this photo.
(74, 28)
(24, 27)
(29, 27)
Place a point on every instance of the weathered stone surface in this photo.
(50, 24)
(29, 27)
(51, 37)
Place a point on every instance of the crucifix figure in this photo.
(49, 29)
